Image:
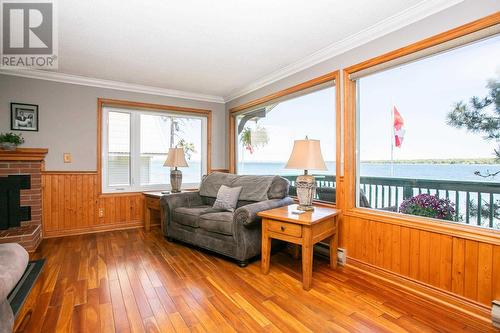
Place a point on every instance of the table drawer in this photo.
(153, 203)
(285, 228)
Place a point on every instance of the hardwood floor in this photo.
(132, 281)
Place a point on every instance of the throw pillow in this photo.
(227, 198)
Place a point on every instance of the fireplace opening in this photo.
(11, 211)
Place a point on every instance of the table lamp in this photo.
(175, 159)
(306, 155)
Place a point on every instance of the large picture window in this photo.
(135, 145)
(428, 135)
(265, 136)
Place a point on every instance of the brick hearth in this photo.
(26, 162)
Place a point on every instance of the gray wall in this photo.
(68, 119)
(455, 16)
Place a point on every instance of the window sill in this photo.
(131, 191)
(318, 202)
(416, 222)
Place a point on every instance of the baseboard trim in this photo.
(424, 291)
(92, 229)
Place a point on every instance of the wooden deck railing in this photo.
(475, 203)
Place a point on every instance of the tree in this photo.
(478, 117)
(176, 125)
(188, 147)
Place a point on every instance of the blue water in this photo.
(462, 172)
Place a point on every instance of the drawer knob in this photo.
(282, 228)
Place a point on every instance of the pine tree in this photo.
(478, 117)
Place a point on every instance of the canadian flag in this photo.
(399, 131)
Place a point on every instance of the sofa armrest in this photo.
(183, 199)
(247, 215)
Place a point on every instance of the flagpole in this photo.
(392, 138)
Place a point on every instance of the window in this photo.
(265, 135)
(135, 145)
(428, 135)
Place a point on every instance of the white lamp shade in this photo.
(306, 155)
(175, 158)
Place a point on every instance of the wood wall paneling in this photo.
(71, 205)
(467, 268)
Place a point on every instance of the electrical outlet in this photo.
(101, 212)
(341, 256)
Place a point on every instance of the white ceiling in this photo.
(210, 47)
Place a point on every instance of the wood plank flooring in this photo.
(133, 281)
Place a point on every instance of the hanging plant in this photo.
(252, 139)
(246, 139)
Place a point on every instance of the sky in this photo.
(423, 91)
(154, 133)
(312, 115)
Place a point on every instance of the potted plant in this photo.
(429, 206)
(9, 141)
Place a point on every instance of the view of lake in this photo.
(462, 172)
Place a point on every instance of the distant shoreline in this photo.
(438, 161)
(418, 161)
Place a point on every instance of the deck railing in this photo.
(475, 203)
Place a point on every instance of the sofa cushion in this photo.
(254, 188)
(221, 223)
(227, 198)
(190, 215)
(278, 188)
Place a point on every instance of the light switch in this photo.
(67, 157)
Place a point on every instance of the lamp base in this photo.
(305, 208)
(175, 180)
(306, 190)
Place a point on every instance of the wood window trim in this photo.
(101, 102)
(332, 76)
(350, 135)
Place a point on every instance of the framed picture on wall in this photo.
(23, 117)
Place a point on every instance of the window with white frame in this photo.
(135, 145)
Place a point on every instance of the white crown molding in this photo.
(108, 84)
(411, 15)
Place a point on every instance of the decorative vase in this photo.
(306, 190)
(175, 180)
(8, 146)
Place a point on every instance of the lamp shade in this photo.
(175, 158)
(306, 155)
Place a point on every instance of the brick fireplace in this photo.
(25, 161)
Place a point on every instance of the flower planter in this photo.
(8, 146)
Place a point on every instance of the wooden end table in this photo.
(305, 229)
(152, 203)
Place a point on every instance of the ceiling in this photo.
(212, 47)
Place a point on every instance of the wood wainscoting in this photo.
(73, 205)
(451, 270)
(448, 263)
